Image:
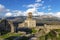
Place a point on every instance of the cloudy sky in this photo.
(10, 8)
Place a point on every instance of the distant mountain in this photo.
(43, 18)
(48, 19)
(16, 19)
(0, 18)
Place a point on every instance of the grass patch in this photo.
(9, 35)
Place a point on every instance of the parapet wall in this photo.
(53, 26)
(49, 27)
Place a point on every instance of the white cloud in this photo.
(33, 10)
(7, 10)
(8, 14)
(18, 13)
(57, 14)
(2, 8)
(36, 5)
(50, 13)
(38, 0)
(14, 13)
(41, 13)
(49, 9)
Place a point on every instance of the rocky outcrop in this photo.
(4, 27)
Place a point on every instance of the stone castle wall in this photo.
(30, 23)
(50, 27)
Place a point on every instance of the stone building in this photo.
(29, 22)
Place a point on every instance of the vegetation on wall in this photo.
(34, 30)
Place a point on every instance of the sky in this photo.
(9, 8)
